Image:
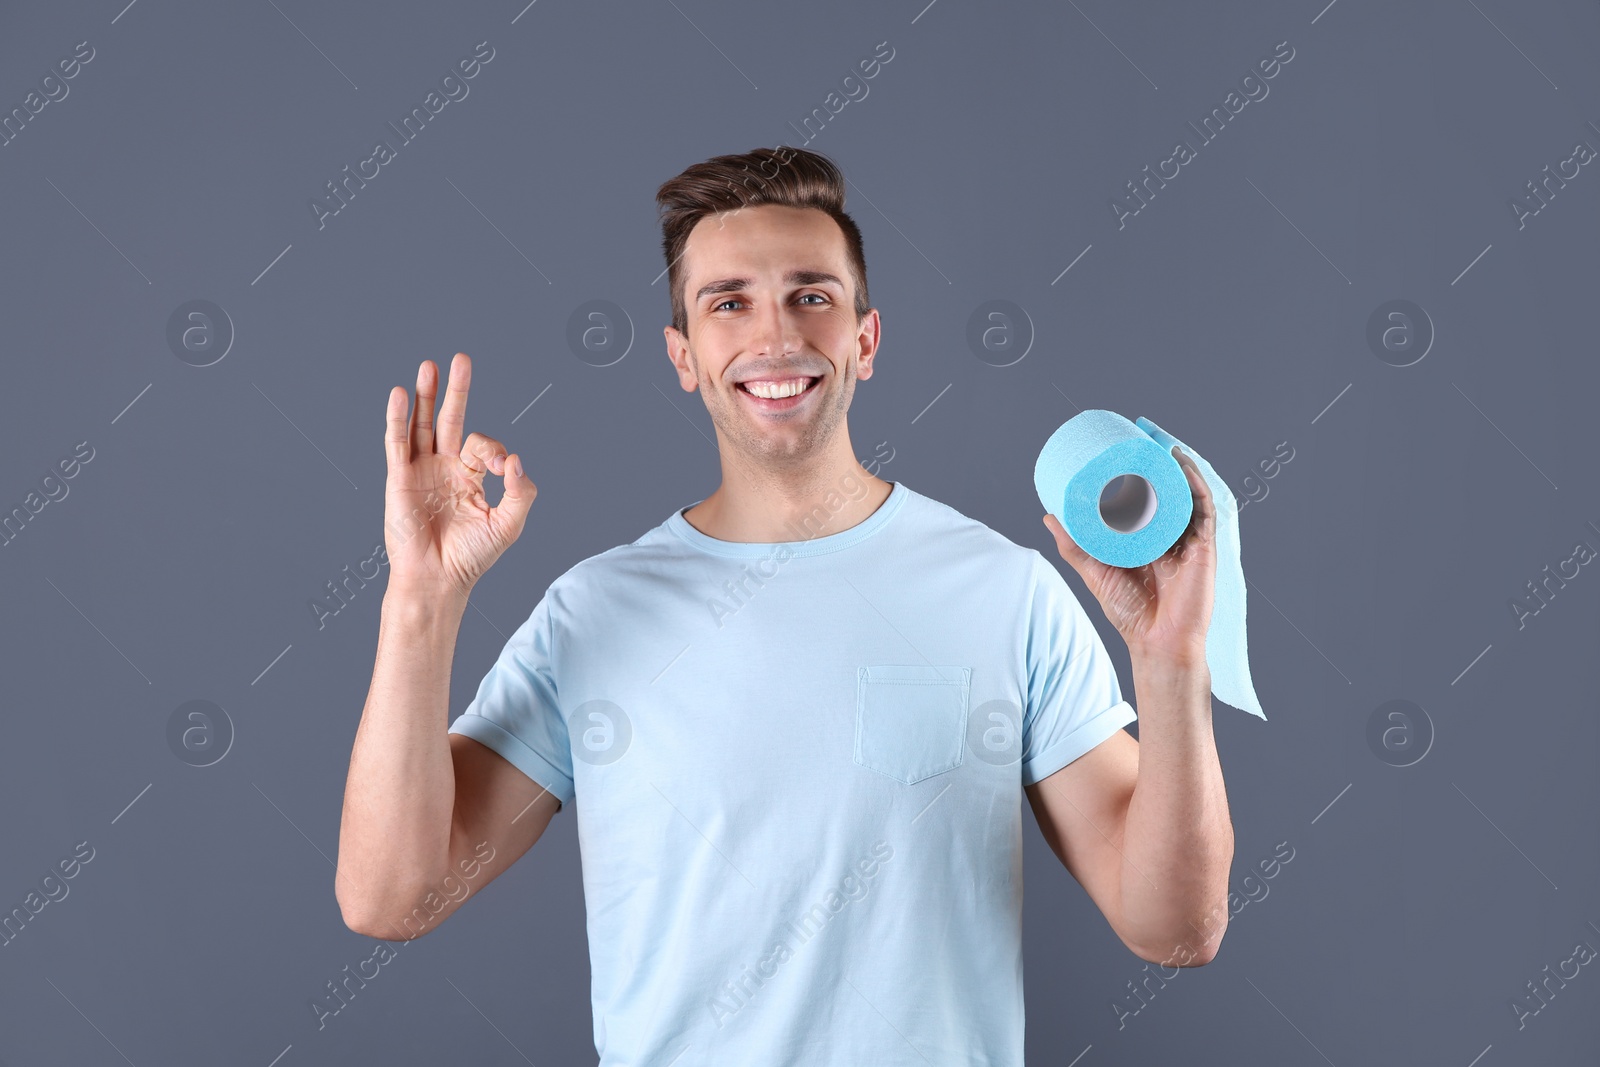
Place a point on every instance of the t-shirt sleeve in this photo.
(517, 712)
(1074, 700)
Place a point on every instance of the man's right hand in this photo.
(419, 802)
(440, 533)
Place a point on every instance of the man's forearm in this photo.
(400, 793)
(1178, 839)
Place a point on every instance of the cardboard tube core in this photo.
(1127, 503)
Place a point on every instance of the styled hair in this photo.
(791, 176)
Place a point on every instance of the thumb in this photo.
(512, 511)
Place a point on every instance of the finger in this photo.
(396, 443)
(1204, 519)
(482, 453)
(1068, 548)
(519, 494)
(422, 410)
(1197, 480)
(453, 412)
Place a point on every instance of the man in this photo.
(798, 717)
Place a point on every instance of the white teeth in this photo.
(770, 391)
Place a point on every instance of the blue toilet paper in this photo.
(1122, 496)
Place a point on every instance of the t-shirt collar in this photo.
(802, 545)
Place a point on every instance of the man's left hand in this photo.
(1164, 607)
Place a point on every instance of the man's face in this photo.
(768, 298)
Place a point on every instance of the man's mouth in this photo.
(778, 395)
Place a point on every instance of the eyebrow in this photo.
(794, 277)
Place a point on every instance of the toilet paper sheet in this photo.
(1143, 515)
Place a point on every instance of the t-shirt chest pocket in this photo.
(911, 719)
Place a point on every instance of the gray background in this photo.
(1232, 310)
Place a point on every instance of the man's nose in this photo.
(775, 331)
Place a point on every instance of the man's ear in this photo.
(867, 342)
(678, 353)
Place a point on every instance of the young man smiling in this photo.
(871, 717)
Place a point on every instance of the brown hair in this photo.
(783, 175)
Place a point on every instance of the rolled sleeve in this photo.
(1074, 699)
(517, 710)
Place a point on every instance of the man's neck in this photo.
(765, 508)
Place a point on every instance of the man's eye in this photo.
(820, 296)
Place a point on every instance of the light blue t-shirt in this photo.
(798, 772)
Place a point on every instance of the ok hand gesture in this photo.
(1163, 607)
(439, 530)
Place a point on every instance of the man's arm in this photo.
(1144, 825)
(429, 817)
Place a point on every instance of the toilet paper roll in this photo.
(1123, 497)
